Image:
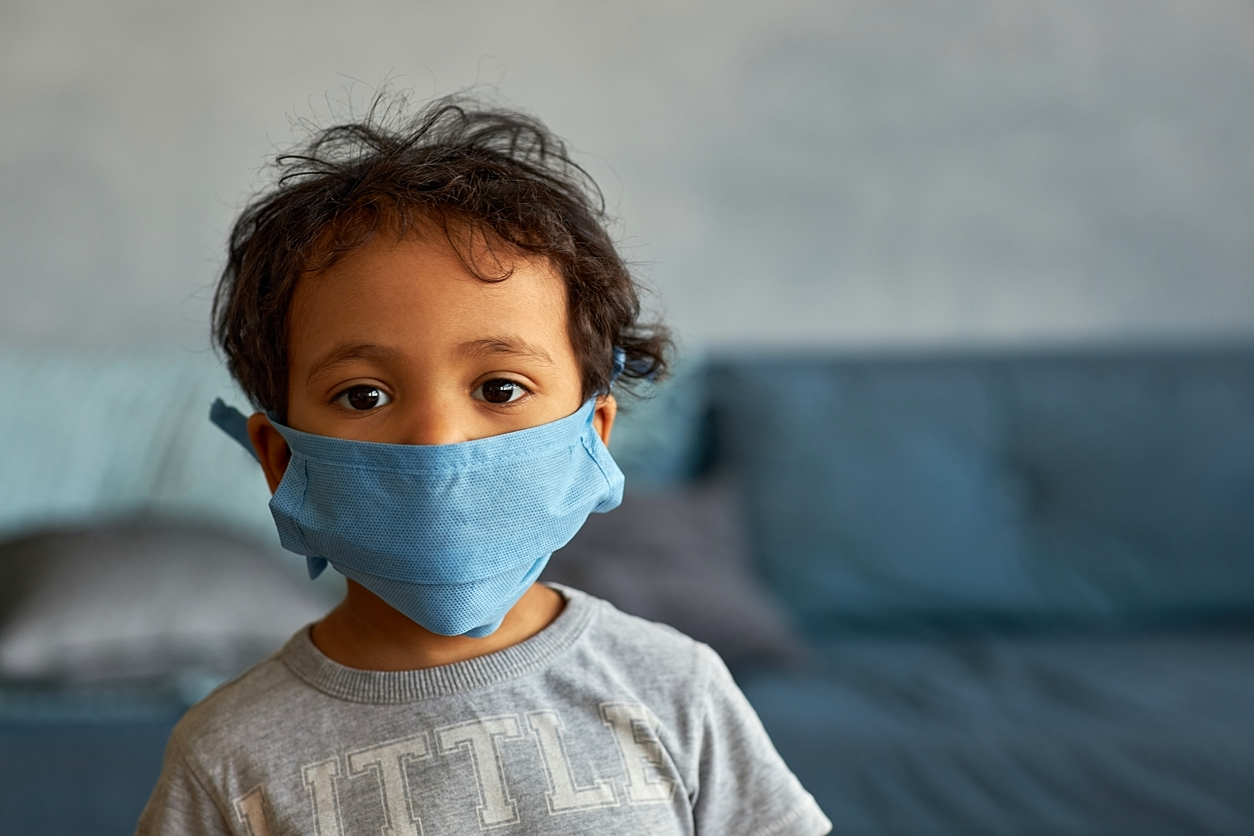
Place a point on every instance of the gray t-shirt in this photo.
(601, 723)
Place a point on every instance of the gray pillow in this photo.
(125, 604)
(679, 557)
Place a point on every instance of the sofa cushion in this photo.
(659, 436)
(1139, 481)
(968, 491)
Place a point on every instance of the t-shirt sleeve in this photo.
(745, 788)
(180, 804)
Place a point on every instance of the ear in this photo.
(272, 450)
(603, 416)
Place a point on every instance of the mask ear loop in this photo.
(620, 364)
(232, 422)
(235, 424)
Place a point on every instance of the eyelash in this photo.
(344, 394)
(524, 389)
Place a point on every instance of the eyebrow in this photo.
(488, 347)
(504, 346)
(347, 352)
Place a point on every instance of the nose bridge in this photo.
(432, 420)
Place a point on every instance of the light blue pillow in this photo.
(93, 437)
(658, 437)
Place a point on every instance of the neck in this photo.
(366, 633)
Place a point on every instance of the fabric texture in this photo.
(601, 723)
(451, 535)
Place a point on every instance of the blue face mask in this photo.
(451, 535)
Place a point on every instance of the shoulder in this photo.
(711, 735)
(191, 795)
(633, 641)
(237, 709)
(652, 663)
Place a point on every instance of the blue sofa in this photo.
(1027, 584)
(1022, 587)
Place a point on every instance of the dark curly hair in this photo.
(485, 176)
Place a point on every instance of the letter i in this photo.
(250, 809)
(320, 780)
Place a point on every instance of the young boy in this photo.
(429, 319)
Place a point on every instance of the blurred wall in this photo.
(849, 172)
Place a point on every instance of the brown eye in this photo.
(362, 398)
(499, 390)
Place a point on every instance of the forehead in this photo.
(418, 294)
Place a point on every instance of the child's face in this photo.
(399, 343)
